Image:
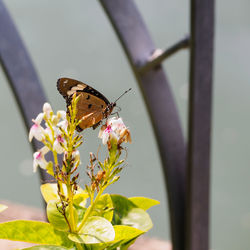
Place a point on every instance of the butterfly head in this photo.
(108, 110)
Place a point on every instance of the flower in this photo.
(47, 110)
(58, 144)
(114, 131)
(61, 114)
(107, 134)
(48, 134)
(36, 129)
(63, 125)
(39, 159)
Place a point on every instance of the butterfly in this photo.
(92, 106)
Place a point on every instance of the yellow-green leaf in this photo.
(104, 207)
(126, 233)
(55, 217)
(49, 192)
(48, 247)
(143, 202)
(137, 218)
(34, 232)
(95, 230)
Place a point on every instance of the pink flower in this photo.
(36, 129)
(114, 130)
(47, 110)
(106, 134)
(58, 144)
(39, 159)
(63, 125)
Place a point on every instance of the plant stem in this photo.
(78, 246)
(56, 164)
(88, 212)
(71, 207)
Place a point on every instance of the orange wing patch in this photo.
(90, 110)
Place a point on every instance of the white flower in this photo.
(114, 131)
(106, 133)
(39, 118)
(61, 114)
(39, 159)
(47, 110)
(36, 130)
(54, 120)
(48, 132)
(57, 146)
(116, 124)
(63, 124)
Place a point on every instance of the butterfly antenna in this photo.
(122, 95)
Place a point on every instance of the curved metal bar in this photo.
(200, 102)
(182, 44)
(154, 85)
(21, 75)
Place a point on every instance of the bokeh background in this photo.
(75, 39)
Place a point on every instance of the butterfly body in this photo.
(92, 106)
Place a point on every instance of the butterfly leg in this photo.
(116, 113)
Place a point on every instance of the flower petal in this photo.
(36, 131)
(47, 109)
(39, 118)
(61, 114)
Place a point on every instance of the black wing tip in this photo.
(79, 129)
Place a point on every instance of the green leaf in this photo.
(122, 203)
(126, 233)
(49, 168)
(80, 213)
(80, 198)
(3, 207)
(143, 202)
(55, 217)
(48, 247)
(34, 232)
(104, 207)
(121, 207)
(95, 230)
(49, 192)
(138, 218)
(124, 237)
(127, 213)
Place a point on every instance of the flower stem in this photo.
(90, 209)
(57, 165)
(78, 246)
(71, 207)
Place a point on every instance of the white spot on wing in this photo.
(75, 88)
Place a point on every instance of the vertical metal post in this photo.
(199, 134)
(138, 46)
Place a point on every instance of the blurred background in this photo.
(75, 39)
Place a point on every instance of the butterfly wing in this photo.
(68, 86)
(91, 106)
(90, 109)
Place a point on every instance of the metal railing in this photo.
(185, 164)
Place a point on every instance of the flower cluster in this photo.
(82, 218)
(114, 132)
(52, 136)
